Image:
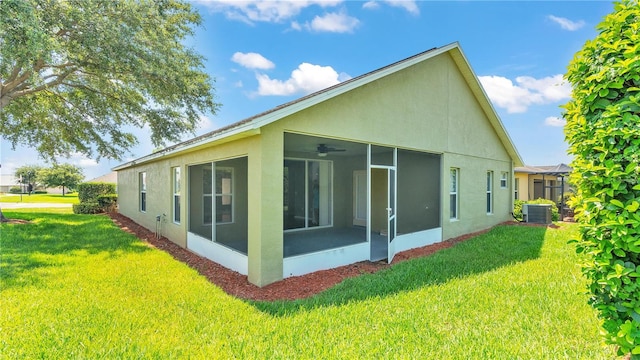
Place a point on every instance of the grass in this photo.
(40, 198)
(75, 286)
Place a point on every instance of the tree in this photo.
(65, 175)
(603, 132)
(28, 174)
(75, 74)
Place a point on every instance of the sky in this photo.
(265, 53)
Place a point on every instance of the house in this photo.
(8, 181)
(541, 182)
(111, 177)
(404, 156)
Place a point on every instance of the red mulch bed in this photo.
(288, 289)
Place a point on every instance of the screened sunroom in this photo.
(346, 201)
(218, 211)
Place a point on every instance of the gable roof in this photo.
(251, 126)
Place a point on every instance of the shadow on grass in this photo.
(502, 246)
(54, 239)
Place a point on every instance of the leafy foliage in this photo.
(90, 191)
(75, 74)
(65, 175)
(603, 131)
(28, 174)
(87, 208)
(96, 197)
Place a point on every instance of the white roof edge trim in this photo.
(241, 131)
(502, 131)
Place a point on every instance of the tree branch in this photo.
(60, 78)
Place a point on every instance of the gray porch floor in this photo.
(309, 241)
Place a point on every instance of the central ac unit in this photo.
(536, 213)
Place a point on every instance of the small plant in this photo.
(15, 190)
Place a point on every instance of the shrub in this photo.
(87, 208)
(41, 192)
(90, 191)
(96, 197)
(517, 209)
(15, 190)
(603, 132)
(108, 202)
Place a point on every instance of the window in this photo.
(453, 194)
(142, 184)
(176, 195)
(503, 180)
(516, 188)
(307, 194)
(489, 192)
(224, 195)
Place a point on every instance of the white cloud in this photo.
(371, 5)
(307, 78)
(264, 11)
(566, 23)
(408, 5)
(204, 124)
(555, 121)
(252, 61)
(527, 91)
(334, 22)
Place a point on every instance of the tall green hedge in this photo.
(603, 131)
(90, 191)
(95, 197)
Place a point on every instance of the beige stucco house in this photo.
(401, 157)
(541, 182)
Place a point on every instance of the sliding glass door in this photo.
(307, 194)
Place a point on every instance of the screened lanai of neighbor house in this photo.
(401, 157)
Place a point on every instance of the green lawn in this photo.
(75, 286)
(40, 198)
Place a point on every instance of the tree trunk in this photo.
(2, 218)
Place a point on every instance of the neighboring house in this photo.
(111, 177)
(7, 181)
(541, 182)
(405, 156)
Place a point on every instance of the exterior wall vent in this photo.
(536, 213)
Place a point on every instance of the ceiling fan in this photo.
(323, 150)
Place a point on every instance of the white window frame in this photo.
(142, 185)
(516, 189)
(454, 192)
(207, 197)
(306, 195)
(212, 196)
(504, 180)
(177, 189)
(222, 194)
(489, 192)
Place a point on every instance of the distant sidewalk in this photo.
(23, 205)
